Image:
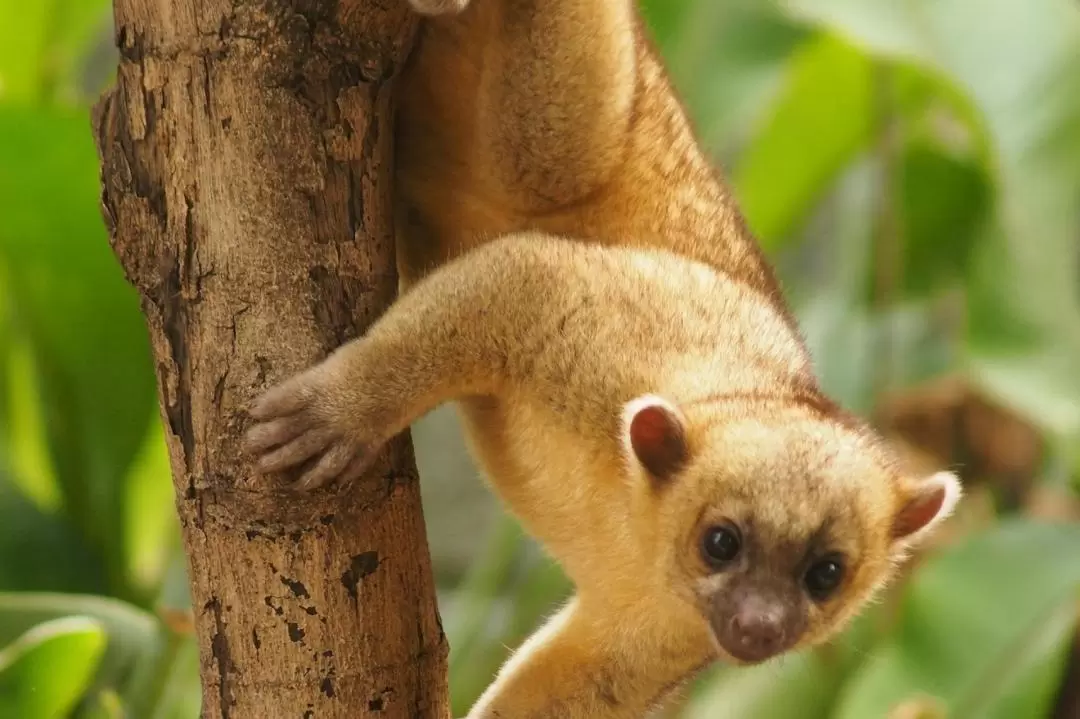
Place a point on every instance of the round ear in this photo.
(654, 435)
(923, 504)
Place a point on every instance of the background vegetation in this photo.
(913, 167)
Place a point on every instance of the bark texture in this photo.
(246, 160)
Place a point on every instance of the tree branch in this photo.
(246, 160)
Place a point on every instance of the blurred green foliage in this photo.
(913, 168)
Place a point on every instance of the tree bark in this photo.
(246, 173)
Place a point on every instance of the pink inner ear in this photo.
(656, 435)
(919, 511)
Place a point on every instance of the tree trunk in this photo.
(246, 160)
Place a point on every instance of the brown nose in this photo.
(756, 630)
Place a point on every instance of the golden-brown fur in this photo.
(578, 280)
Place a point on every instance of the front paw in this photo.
(438, 7)
(306, 422)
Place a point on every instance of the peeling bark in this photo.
(246, 153)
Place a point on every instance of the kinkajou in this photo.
(579, 281)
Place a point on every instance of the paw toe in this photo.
(267, 435)
(360, 463)
(299, 450)
(329, 466)
(284, 399)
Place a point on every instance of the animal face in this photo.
(776, 521)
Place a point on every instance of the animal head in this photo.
(778, 518)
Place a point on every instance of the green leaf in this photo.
(76, 25)
(728, 59)
(135, 637)
(1023, 355)
(505, 597)
(1026, 680)
(181, 697)
(41, 551)
(840, 340)
(106, 704)
(665, 18)
(7, 339)
(42, 45)
(944, 199)
(821, 121)
(23, 39)
(28, 455)
(982, 623)
(827, 294)
(82, 319)
(1020, 66)
(799, 687)
(153, 529)
(45, 672)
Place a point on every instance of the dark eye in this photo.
(721, 544)
(823, 577)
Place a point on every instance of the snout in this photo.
(755, 629)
